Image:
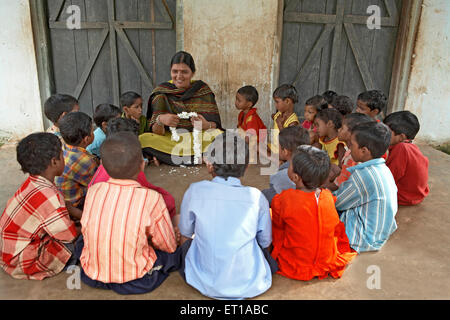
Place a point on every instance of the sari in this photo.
(167, 98)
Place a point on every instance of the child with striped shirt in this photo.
(367, 201)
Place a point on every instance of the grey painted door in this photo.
(122, 45)
(327, 45)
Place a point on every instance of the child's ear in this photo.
(330, 124)
(61, 116)
(104, 126)
(210, 168)
(403, 137)
(366, 152)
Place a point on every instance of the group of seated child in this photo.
(334, 196)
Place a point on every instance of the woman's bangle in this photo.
(158, 122)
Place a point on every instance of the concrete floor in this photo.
(413, 264)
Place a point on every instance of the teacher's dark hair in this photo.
(183, 57)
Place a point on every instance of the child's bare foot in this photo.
(156, 162)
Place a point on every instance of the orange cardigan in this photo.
(308, 238)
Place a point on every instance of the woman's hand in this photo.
(170, 120)
(205, 124)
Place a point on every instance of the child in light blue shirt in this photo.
(367, 201)
(102, 113)
(228, 257)
(289, 139)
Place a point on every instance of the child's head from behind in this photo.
(246, 97)
(328, 121)
(121, 155)
(309, 167)
(328, 95)
(285, 97)
(289, 139)
(116, 125)
(104, 112)
(372, 103)
(131, 104)
(349, 122)
(76, 129)
(404, 126)
(343, 104)
(58, 105)
(313, 106)
(369, 140)
(228, 156)
(39, 152)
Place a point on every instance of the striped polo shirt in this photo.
(367, 204)
(119, 218)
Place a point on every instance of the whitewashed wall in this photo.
(429, 85)
(20, 105)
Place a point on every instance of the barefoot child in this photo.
(36, 232)
(128, 242)
(367, 201)
(407, 164)
(228, 257)
(308, 238)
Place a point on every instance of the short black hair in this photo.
(229, 155)
(375, 136)
(318, 102)
(312, 165)
(291, 137)
(286, 91)
(128, 98)
(404, 122)
(375, 99)
(328, 95)
(183, 57)
(353, 119)
(332, 115)
(74, 127)
(35, 152)
(343, 104)
(122, 124)
(57, 104)
(103, 112)
(121, 155)
(249, 93)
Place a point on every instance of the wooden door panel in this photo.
(327, 46)
(116, 50)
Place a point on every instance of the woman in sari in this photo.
(181, 94)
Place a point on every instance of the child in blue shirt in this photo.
(228, 257)
(367, 201)
(102, 113)
(288, 140)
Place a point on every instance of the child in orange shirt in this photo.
(308, 238)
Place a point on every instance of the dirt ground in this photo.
(413, 264)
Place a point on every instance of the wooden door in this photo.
(122, 45)
(327, 45)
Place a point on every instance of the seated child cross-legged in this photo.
(120, 125)
(128, 243)
(289, 139)
(102, 114)
(367, 201)
(228, 257)
(36, 232)
(308, 238)
(407, 164)
(80, 166)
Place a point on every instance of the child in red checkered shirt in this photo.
(36, 232)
